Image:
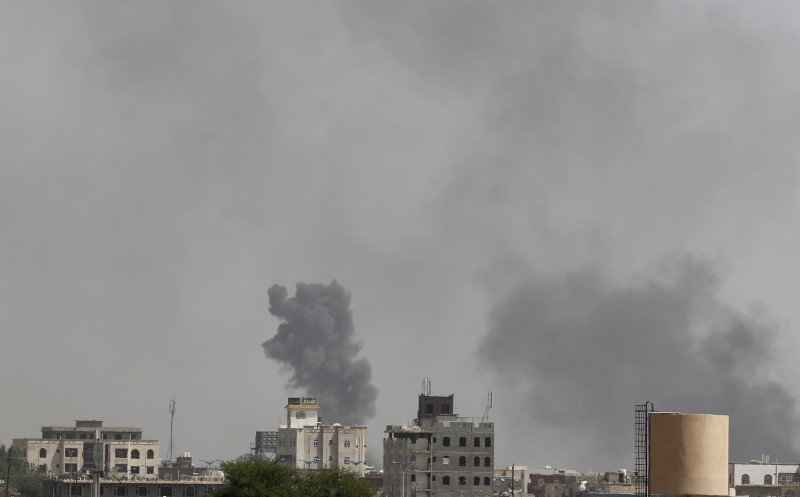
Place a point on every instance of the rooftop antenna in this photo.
(171, 422)
(488, 406)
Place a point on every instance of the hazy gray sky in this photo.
(579, 206)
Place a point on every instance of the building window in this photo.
(316, 460)
(330, 442)
(445, 408)
(486, 481)
(745, 479)
(445, 459)
(121, 453)
(429, 408)
(150, 470)
(316, 443)
(134, 454)
(487, 442)
(330, 458)
(300, 415)
(413, 477)
(42, 452)
(141, 491)
(119, 490)
(446, 441)
(347, 459)
(150, 454)
(445, 480)
(462, 442)
(767, 479)
(476, 461)
(70, 452)
(433, 478)
(71, 468)
(487, 461)
(476, 442)
(118, 436)
(122, 468)
(166, 491)
(347, 443)
(462, 461)
(476, 481)
(462, 480)
(76, 489)
(188, 491)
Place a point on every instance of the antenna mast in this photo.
(488, 406)
(171, 422)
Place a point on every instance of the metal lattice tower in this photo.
(642, 474)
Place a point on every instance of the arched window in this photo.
(462, 480)
(745, 479)
(462, 442)
(300, 415)
(476, 461)
(476, 481)
(446, 441)
(476, 442)
(150, 454)
(487, 461)
(445, 480)
(42, 452)
(486, 480)
(767, 479)
(462, 461)
(487, 442)
(134, 454)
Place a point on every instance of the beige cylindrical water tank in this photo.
(688, 454)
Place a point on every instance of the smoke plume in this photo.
(316, 344)
(583, 352)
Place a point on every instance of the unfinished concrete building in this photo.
(440, 454)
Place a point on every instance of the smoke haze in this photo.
(316, 345)
(583, 351)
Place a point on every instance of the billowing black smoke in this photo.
(316, 345)
(582, 352)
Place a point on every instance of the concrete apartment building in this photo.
(305, 442)
(60, 449)
(440, 454)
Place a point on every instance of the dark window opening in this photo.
(462, 442)
(445, 480)
(446, 441)
(119, 490)
(150, 454)
(487, 442)
(476, 481)
(141, 490)
(476, 442)
(476, 461)
(486, 481)
(428, 408)
(487, 461)
(134, 454)
(462, 480)
(445, 408)
(70, 452)
(462, 461)
(42, 452)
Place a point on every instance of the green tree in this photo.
(26, 478)
(254, 477)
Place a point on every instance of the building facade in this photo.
(60, 450)
(305, 442)
(82, 487)
(440, 454)
(760, 478)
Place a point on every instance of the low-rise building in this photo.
(60, 449)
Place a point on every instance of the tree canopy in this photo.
(254, 477)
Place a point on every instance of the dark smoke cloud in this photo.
(315, 343)
(583, 352)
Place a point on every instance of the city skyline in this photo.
(577, 206)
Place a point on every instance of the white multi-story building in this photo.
(304, 442)
(763, 473)
(60, 449)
